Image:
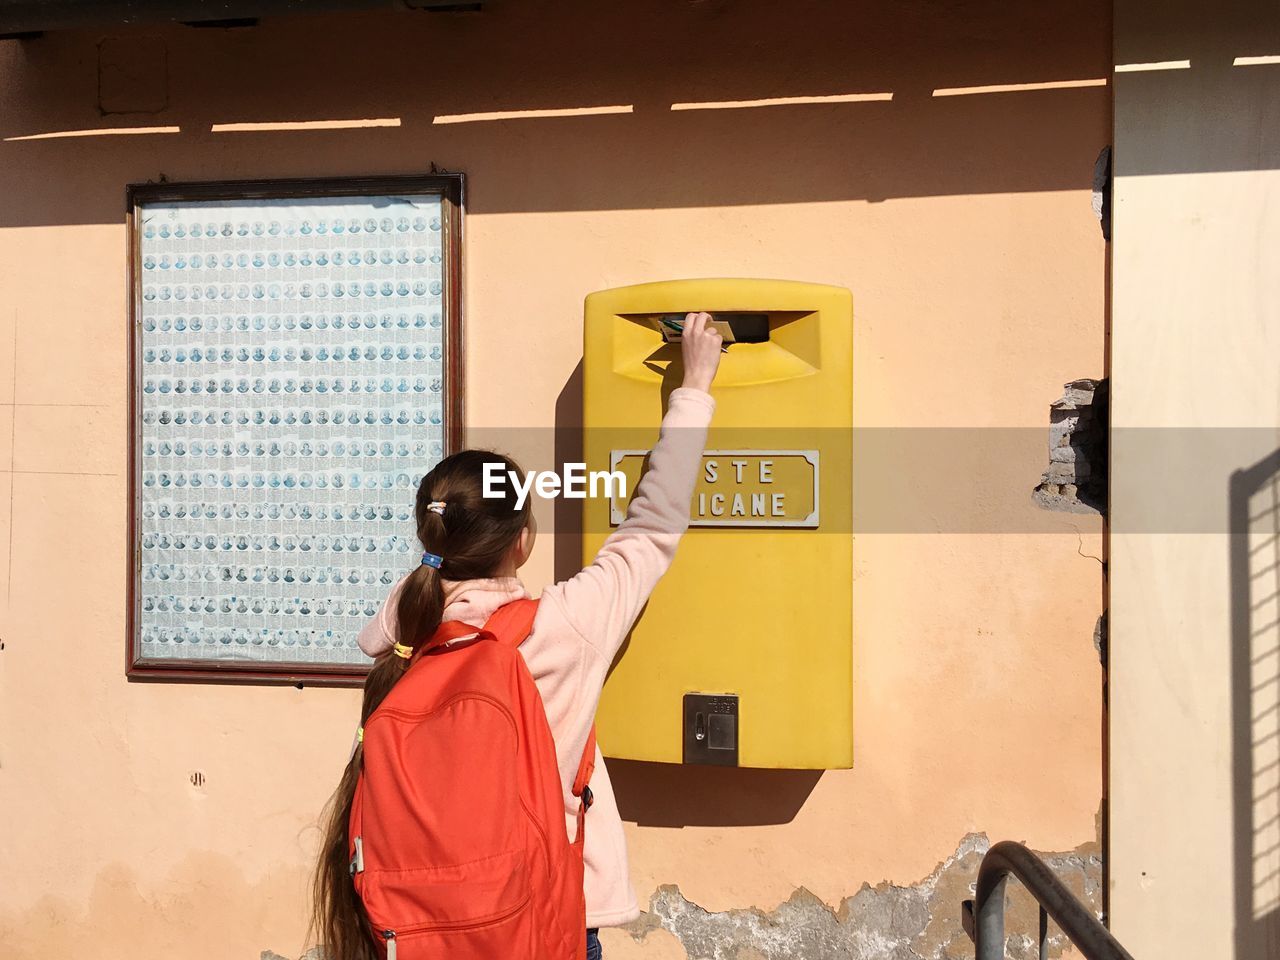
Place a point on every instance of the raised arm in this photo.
(603, 600)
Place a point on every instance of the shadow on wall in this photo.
(676, 795)
(568, 449)
(572, 106)
(1255, 706)
(1187, 91)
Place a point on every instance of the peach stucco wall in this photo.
(1195, 721)
(961, 224)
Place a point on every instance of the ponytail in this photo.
(418, 610)
(472, 533)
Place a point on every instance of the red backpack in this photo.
(458, 843)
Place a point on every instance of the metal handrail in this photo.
(983, 917)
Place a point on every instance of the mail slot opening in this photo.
(734, 326)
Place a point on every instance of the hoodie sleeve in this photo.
(603, 600)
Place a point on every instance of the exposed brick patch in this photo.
(1076, 480)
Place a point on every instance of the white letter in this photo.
(548, 484)
(717, 504)
(737, 469)
(779, 508)
(766, 471)
(712, 471)
(609, 479)
(702, 504)
(757, 504)
(522, 492)
(575, 472)
(492, 475)
(739, 509)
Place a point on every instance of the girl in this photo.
(579, 628)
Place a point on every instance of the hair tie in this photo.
(405, 653)
(437, 507)
(432, 560)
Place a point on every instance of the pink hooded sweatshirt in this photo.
(580, 626)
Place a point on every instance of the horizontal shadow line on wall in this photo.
(680, 795)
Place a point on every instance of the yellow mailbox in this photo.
(743, 656)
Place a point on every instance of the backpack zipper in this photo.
(390, 935)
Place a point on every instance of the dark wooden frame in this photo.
(451, 189)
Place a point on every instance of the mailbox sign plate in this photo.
(738, 488)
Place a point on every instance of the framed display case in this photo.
(296, 367)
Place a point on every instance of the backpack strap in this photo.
(447, 632)
(511, 623)
(586, 767)
(581, 790)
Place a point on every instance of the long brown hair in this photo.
(473, 533)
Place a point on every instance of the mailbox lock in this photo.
(710, 725)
